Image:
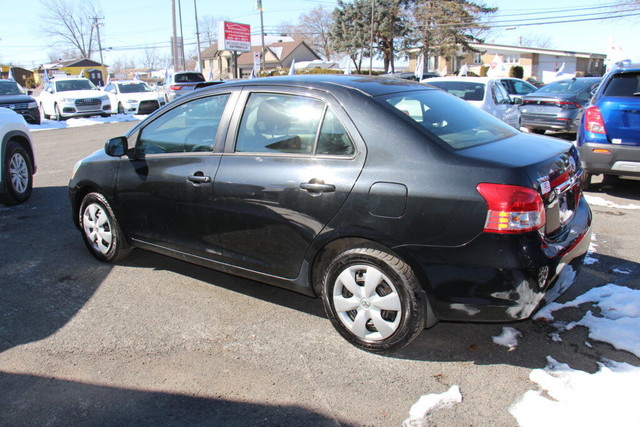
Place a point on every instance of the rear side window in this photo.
(624, 84)
(291, 124)
(453, 121)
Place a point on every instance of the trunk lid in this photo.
(622, 119)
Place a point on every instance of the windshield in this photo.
(80, 84)
(469, 91)
(189, 78)
(134, 87)
(455, 122)
(567, 86)
(11, 88)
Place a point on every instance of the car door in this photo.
(288, 167)
(165, 189)
(506, 110)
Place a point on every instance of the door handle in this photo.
(316, 186)
(198, 178)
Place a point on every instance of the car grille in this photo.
(147, 107)
(88, 104)
(16, 105)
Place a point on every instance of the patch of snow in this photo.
(588, 344)
(429, 403)
(588, 260)
(84, 121)
(555, 337)
(508, 338)
(599, 201)
(607, 397)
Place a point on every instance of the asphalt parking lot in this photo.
(152, 340)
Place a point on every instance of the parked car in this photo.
(609, 132)
(14, 97)
(18, 161)
(133, 96)
(412, 75)
(63, 98)
(180, 84)
(517, 87)
(398, 204)
(485, 93)
(557, 106)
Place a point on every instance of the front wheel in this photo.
(100, 229)
(373, 299)
(18, 174)
(58, 113)
(120, 108)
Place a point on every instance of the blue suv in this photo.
(609, 132)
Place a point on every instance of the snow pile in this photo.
(599, 201)
(618, 322)
(589, 259)
(508, 338)
(84, 121)
(608, 397)
(429, 403)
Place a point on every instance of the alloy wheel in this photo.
(19, 173)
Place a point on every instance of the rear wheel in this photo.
(373, 299)
(18, 174)
(585, 181)
(100, 229)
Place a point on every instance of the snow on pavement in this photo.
(589, 259)
(508, 338)
(599, 201)
(607, 397)
(84, 121)
(430, 402)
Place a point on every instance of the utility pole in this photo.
(174, 40)
(262, 35)
(184, 67)
(96, 24)
(199, 66)
(373, 5)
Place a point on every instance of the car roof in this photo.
(126, 81)
(369, 85)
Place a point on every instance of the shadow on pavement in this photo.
(36, 400)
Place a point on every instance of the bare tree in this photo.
(536, 40)
(208, 27)
(151, 58)
(70, 25)
(313, 28)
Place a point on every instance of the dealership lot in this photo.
(87, 342)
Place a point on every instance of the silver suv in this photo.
(180, 83)
(18, 163)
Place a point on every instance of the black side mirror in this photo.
(29, 92)
(516, 100)
(116, 147)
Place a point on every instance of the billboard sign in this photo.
(234, 36)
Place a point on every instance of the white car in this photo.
(18, 163)
(133, 96)
(485, 93)
(63, 98)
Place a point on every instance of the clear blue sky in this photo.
(132, 23)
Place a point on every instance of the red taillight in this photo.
(512, 209)
(175, 87)
(593, 121)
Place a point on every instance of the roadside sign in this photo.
(234, 36)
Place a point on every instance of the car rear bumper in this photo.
(498, 278)
(616, 160)
(553, 123)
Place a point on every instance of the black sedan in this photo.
(398, 204)
(14, 97)
(557, 106)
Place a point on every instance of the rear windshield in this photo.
(469, 91)
(189, 78)
(453, 121)
(568, 86)
(625, 84)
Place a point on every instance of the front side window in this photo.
(190, 127)
(291, 124)
(452, 121)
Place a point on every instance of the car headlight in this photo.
(67, 100)
(104, 97)
(75, 168)
(32, 105)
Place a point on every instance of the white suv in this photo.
(63, 98)
(18, 163)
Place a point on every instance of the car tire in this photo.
(100, 229)
(538, 131)
(120, 108)
(56, 110)
(385, 315)
(585, 181)
(18, 174)
(42, 113)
